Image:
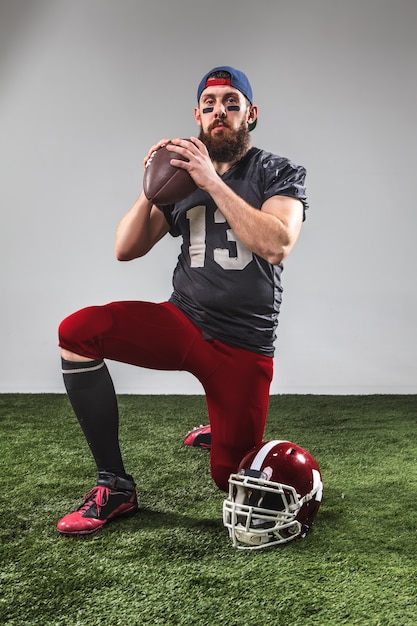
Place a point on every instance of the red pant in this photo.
(160, 336)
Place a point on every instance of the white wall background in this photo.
(86, 86)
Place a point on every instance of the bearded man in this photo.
(220, 321)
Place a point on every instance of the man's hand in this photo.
(154, 148)
(198, 164)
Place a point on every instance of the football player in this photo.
(219, 322)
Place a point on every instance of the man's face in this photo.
(223, 115)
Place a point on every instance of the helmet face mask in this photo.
(260, 510)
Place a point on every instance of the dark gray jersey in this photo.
(225, 289)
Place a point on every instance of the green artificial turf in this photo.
(173, 562)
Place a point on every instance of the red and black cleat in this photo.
(112, 497)
(199, 437)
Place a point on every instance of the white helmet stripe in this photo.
(317, 485)
(260, 457)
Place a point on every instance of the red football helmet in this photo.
(274, 496)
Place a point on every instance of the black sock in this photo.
(91, 393)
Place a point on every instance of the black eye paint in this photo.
(232, 107)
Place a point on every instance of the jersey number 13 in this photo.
(197, 219)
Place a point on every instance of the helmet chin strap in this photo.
(316, 492)
(246, 540)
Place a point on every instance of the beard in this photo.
(229, 147)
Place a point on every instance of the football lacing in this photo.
(98, 496)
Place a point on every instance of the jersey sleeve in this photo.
(167, 211)
(285, 178)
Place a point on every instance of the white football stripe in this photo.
(317, 484)
(81, 370)
(260, 457)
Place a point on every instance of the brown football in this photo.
(162, 182)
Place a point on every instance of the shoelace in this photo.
(98, 496)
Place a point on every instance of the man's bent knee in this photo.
(77, 335)
(220, 475)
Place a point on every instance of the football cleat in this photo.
(199, 437)
(112, 497)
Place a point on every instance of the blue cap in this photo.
(234, 78)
